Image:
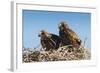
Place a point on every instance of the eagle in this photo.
(68, 36)
(49, 41)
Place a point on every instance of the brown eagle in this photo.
(49, 41)
(68, 36)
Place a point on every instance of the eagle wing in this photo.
(72, 35)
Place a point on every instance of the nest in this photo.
(64, 53)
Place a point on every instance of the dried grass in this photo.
(64, 53)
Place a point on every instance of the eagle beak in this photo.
(39, 34)
(59, 25)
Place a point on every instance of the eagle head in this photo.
(43, 34)
(63, 25)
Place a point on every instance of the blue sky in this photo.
(34, 21)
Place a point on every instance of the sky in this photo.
(34, 21)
